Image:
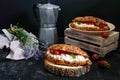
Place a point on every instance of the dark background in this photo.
(21, 11)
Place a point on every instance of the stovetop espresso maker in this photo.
(48, 14)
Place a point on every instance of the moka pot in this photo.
(48, 14)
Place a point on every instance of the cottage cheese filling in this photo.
(84, 25)
(67, 57)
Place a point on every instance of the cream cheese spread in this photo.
(84, 25)
(67, 57)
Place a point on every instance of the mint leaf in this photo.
(98, 23)
(78, 23)
(52, 53)
(73, 55)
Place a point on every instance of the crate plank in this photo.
(95, 39)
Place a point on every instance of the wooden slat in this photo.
(90, 47)
(95, 39)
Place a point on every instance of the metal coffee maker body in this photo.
(48, 14)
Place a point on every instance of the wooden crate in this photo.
(93, 43)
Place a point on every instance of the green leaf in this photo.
(73, 55)
(78, 23)
(52, 53)
(98, 23)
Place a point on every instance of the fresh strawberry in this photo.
(104, 64)
(104, 34)
(94, 23)
(101, 26)
(94, 56)
(56, 52)
(76, 54)
(64, 52)
(51, 50)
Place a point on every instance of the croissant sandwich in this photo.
(61, 59)
(89, 23)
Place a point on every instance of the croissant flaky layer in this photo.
(88, 19)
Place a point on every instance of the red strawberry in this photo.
(94, 56)
(56, 52)
(51, 50)
(94, 23)
(63, 52)
(104, 34)
(101, 26)
(104, 64)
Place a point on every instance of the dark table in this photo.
(32, 69)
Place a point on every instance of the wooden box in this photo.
(92, 42)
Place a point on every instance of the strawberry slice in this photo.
(51, 50)
(101, 26)
(94, 23)
(56, 52)
(64, 52)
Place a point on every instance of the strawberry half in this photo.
(104, 64)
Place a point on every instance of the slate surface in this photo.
(34, 69)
